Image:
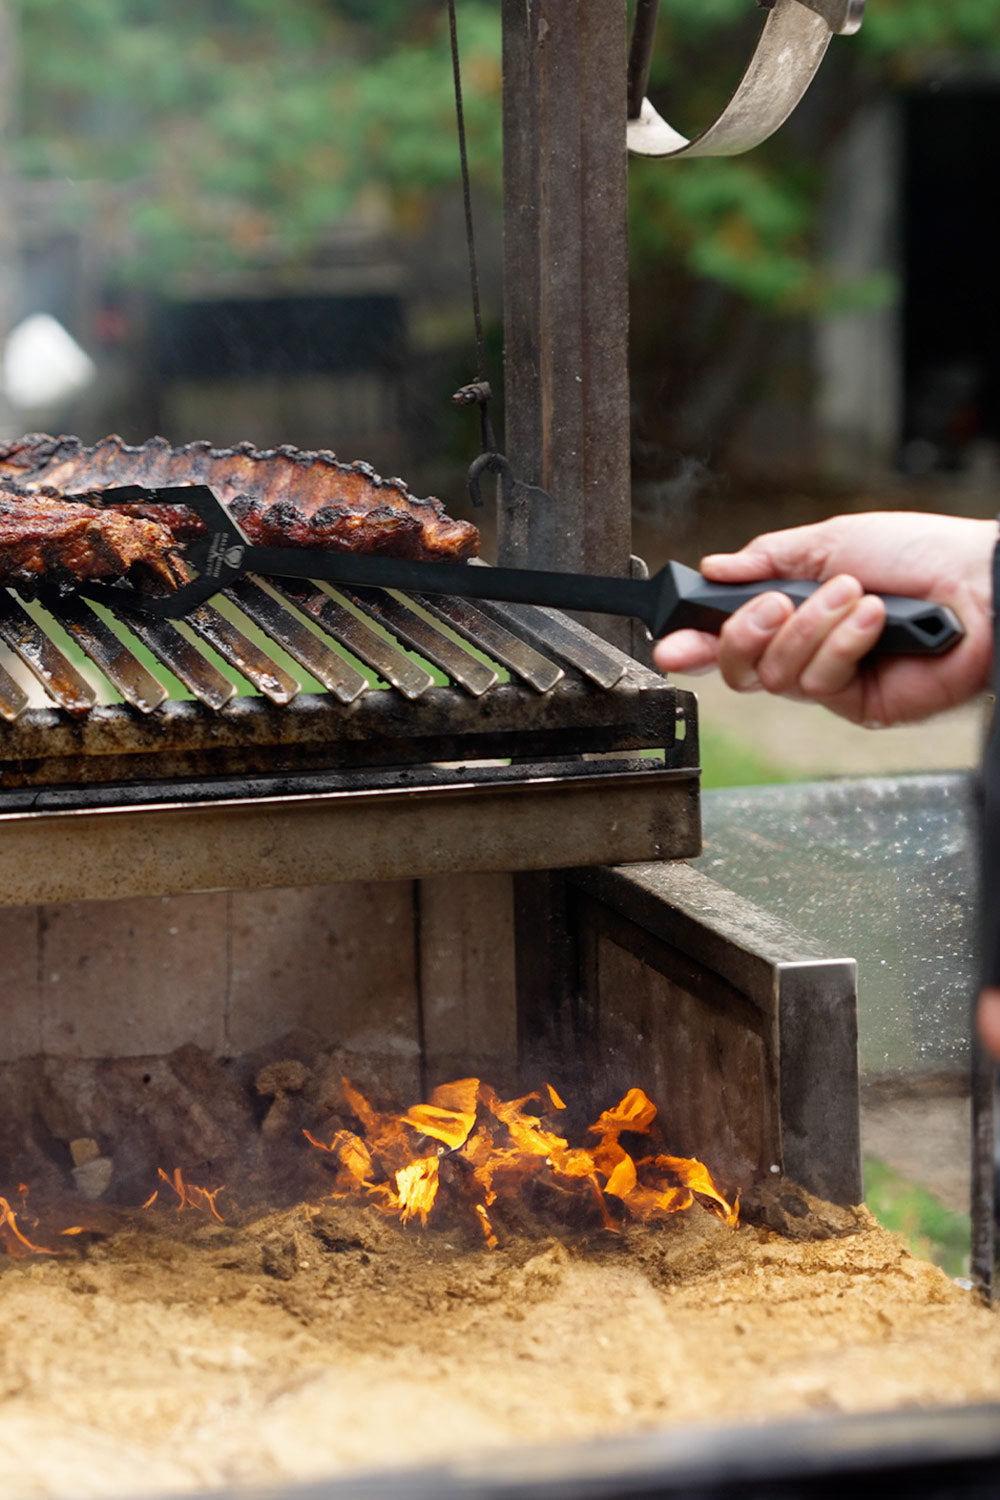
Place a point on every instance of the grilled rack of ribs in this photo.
(44, 538)
(280, 496)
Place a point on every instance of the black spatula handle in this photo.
(688, 600)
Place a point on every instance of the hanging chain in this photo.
(478, 393)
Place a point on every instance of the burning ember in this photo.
(14, 1240)
(189, 1195)
(464, 1154)
(490, 1151)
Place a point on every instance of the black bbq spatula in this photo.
(675, 598)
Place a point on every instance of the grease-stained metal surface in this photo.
(42, 657)
(13, 699)
(136, 684)
(417, 631)
(383, 681)
(259, 669)
(538, 671)
(44, 748)
(253, 834)
(329, 668)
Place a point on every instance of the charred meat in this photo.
(280, 496)
(46, 538)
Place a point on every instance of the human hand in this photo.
(988, 1021)
(817, 651)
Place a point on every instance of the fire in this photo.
(19, 1224)
(189, 1195)
(13, 1240)
(467, 1148)
(495, 1148)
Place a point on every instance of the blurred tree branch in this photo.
(229, 126)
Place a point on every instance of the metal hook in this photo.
(791, 46)
(491, 463)
(516, 493)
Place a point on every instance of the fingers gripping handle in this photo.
(913, 627)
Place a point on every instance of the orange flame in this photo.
(500, 1145)
(13, 1239)
(189, 1194)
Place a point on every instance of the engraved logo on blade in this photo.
(223, 556)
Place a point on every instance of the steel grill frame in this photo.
(569, 693)
(582, 757)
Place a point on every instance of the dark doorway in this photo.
(951, 309)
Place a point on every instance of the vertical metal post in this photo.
(566, 396)
(9, 210)
(566, 283)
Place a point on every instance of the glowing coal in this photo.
(499, 1150)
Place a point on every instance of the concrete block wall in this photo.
(401, 973)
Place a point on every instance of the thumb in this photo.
(800, 552)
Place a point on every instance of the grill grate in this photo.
(392, 680)
(423, 629)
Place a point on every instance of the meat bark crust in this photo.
(280, 496)
(46, 538)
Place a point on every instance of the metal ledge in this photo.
(524, 818)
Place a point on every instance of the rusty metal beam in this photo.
(566, 283)
(530, 818)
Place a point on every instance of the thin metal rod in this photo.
(487, 440)
(640, 54)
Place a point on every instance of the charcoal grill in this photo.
(297, 734)
(371, 766)
(593, 756)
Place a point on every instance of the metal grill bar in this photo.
(404, 675)
(392, 612)
(603, 664)
(13, 699)
(326, 665)
(134, 682)
(233, 646)
(495, 640)
(43, 658)
(200, 676)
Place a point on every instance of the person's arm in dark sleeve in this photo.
(989, 856)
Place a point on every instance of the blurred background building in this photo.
(247, 225)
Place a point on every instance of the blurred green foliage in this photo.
(235, 131)
(223, 132)
(931, 1231)
(729, 761)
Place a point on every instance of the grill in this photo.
(301, 735)
(590, 754)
